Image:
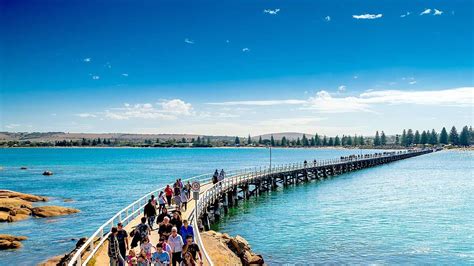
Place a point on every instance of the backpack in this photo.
(143, 230)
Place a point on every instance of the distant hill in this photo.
(279, 136)
(56, 136)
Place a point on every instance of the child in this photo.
(146, 247)
(131, 257)
(160, 257)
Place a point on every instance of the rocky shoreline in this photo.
(226, 250)
(16, 206)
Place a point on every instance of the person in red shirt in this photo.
(169, 194)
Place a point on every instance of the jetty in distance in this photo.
(237, 186)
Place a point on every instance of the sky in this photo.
(236, 67)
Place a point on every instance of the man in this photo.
(160, 257)
(176, 243)
(165, 228)
(186, 230)
(113, 250)
(150, 212)
(122, 238)
(164, 213)
(169, 194)
(143, 230)
(192, 248)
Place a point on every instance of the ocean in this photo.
(413, 211)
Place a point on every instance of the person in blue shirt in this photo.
(186, 230)
(160, 257)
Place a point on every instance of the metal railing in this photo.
(235, 177)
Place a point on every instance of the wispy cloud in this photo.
(271, 11)
(367, 16)
(413, 82)
(261, 103)
(341, 88)
(125, 74)
(86, 115)
(166, 110)
(426, 12)
(405, 15)
(245, 49)
(188, 41)
(324, 102)
(327, 18)
(12, 126)
(437, 12)
(87, 60)
(95, 77)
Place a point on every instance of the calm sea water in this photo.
(415, 211)
(103, 181)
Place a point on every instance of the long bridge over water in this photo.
(238, 185)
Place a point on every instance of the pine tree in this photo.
(453, 136)
(361, 140)
(99, 141)
(383, 139)
(417, 139)
(377, 139)
(331, 142)
(272, 141)
(410, 137)
(424, 138)
(317, 140)
(84, 142)
(403, 140)
(397, 139)
(284, 142)
(349, 141)
(260, 141)
(443, 136)
(237, 141)
(208, 142)
(249, 140)
(312, 142)
(464, 137)
(305, 140)
(471, 135)
(298, 141)
(325, 141)
(337, 141)
(433, 137)
(199, 140)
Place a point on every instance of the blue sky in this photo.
(236, 67)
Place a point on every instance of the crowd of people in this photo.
(176, 244)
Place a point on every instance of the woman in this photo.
(177, 197)
(162, 201)
(146, 247)
(188, 260)
(184, 199)
(176, 220)
(169, 194)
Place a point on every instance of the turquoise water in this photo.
(103, 181)
(415, 211)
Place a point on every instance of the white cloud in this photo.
(11, 126)
(323, 102)
(177, 107)
(167, 110)
(437, 12)
(188, 41)
(95, 77)
(261, 103)
(271, 11)
(327, 18)
(367, 16)
(125, 74)
(87, 60)
(405, 15)
(355, 77)
(341, 88)
(413, 82)
(426, 12)
(245, 49)
(86, 115)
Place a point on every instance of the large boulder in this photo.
(10, 242)
(23, 196)
(50, 211)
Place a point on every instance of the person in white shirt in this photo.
(176, 243)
